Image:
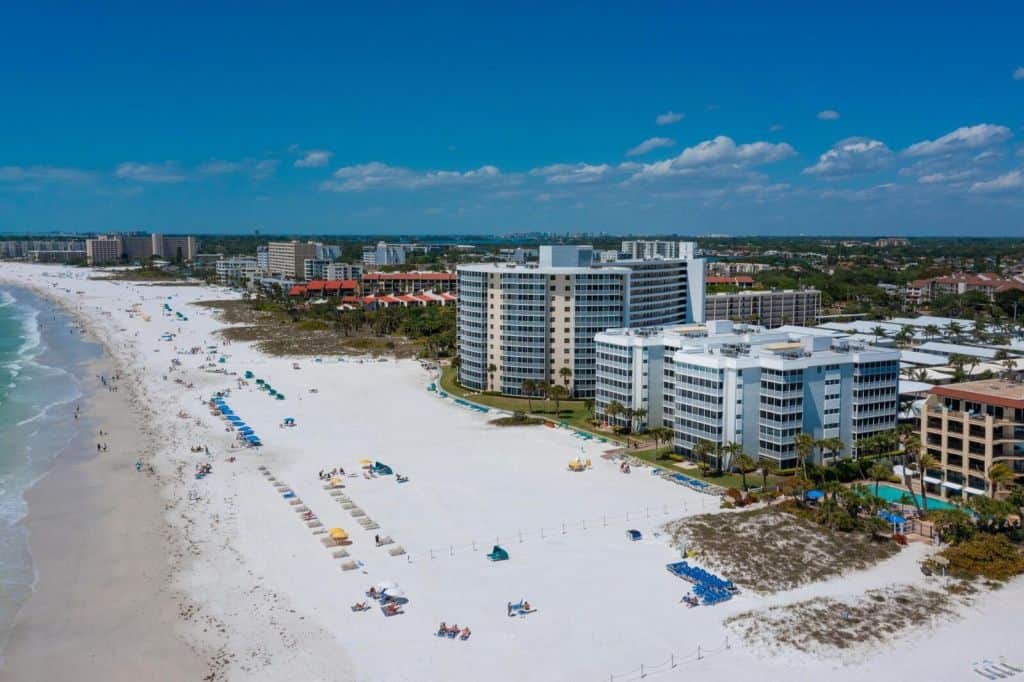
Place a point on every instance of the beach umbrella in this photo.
(280, 396)
(396, 593)
(246, 431)
(385, 585)
(338, 534)
(234, 418)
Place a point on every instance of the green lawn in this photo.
(730, 480)
(574, 412)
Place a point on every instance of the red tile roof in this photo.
(738, 279)
(297, 290)
(340, 284)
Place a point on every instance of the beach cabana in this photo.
(289, 421)
(249, 374)
(382, 469)
(634, 534)
(498, 553)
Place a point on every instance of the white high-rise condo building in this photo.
(641, 249)
(537, 322)
(759, 389)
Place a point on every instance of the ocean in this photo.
(42, 366)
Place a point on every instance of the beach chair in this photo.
(498, 553)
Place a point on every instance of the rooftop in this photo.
(997, 391)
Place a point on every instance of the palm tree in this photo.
(528, 388)
(958, 361)
(744, 463)
(955, 330)
(832, 445)
(566, 374)
(614, 409)
(727, 454)
(768, 468)
(491, 369)
(702, 451)
(903, 336)
(925, 462)
(998, 475)
(660, 433)
(638, 416)
(804, 445)
(879, 471)
(879, 332)
(931, 331)
(558, 394)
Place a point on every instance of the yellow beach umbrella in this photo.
(338, 534)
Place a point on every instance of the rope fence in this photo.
(674, 661)
(550, 533)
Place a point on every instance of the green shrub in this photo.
(985, 555)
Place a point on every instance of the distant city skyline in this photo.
(462, 119)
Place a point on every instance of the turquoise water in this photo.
(890, 494)
(42, 360)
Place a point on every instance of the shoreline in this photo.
(101, 604)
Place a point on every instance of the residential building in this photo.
(287, 259)
(645, 249)
(343, 271)
(409, 282)
(236, 271)
(988, 284)
(57, 255)
(731, 269)
(737, 281)
(384, 254)
(263, 259)
(24, 248)
(887, 242)
(103, 250)
(968, 428)
(791, 380)
(532, 322)
(772, 308)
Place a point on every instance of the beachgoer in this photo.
(526, 605)
(509, 608)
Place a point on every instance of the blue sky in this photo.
(739, 118)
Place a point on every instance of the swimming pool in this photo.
(891, 494)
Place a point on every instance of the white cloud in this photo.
(852, 156)
(571, 173)
(1014, 180)
(776, 127)
(668, 118)
(43, 174)
(967, 137)
(167, 172)
(828, 115)
(650, 144)
(866, 194)
(715, 155)
(946, 178)
(1018, 73)
(376, 175)
(315, 158)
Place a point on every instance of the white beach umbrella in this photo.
(396, 593)
(386, 585)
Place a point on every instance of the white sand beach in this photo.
(256, 595)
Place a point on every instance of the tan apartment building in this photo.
(969, 427)
(765, 308)
(103, 250)
(288, 259)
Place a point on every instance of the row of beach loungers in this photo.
(692, 483)
(362, 519)
(992, 670)
(707, 587)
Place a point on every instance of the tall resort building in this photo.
(968, 428)
(729, 384)
(521, 322)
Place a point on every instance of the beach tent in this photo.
(280, 396)
(249, 374)
(498, 554)
(338, 534)
(815, 495)
(633, 534)
(382, 469)
(260, 382)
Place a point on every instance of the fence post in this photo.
(541, 533)
(563, 527)
(672, 660)
(698, 653)
(520, 537)
(584, 524)
(727, 641)
(604, 520)
(474, 545)
(431, 554)
(451, 550)
(642, 673)
(627, 517)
